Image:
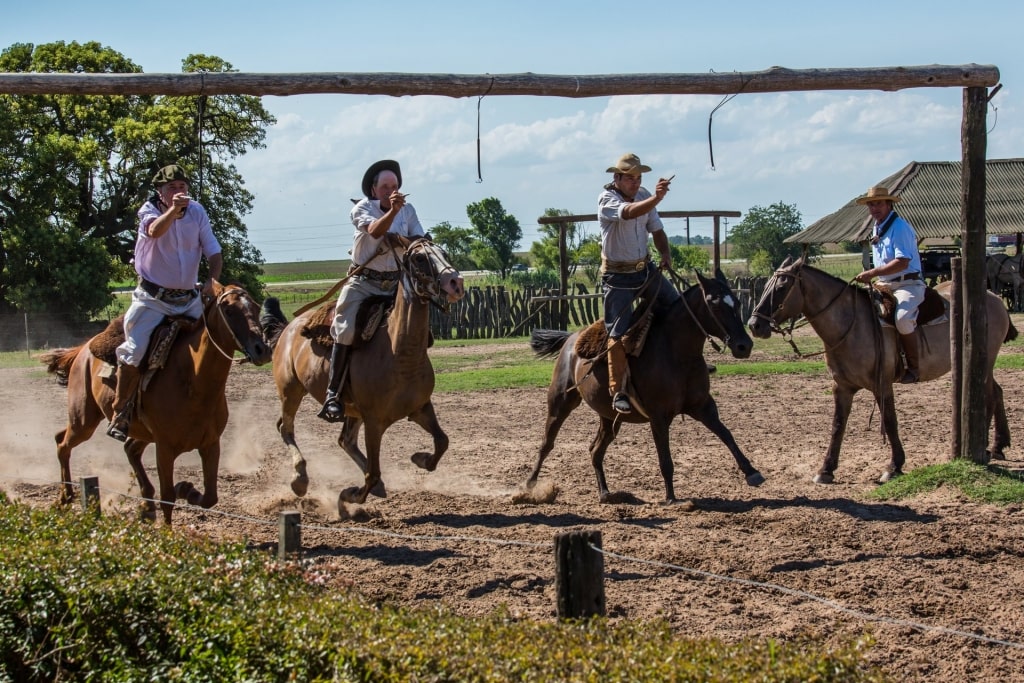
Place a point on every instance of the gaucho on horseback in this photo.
(174, 234)
(375, 267)
(628, 217)
(897, 265)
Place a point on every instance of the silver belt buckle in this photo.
(640, 266)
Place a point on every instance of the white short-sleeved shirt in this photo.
(364, 245)
(622, 239)
(172, 260)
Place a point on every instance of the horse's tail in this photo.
(547, 342)
(272, 320)
(58, 362)
(1011, 333)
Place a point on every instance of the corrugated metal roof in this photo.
(930, 199)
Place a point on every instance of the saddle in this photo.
(104, 345)
(372, 314)
(593, 339)
(931, 309)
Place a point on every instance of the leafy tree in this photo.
(76, 169)
(545, 252)
(764, 229)
(498, 235)
(687, 258)
(456, 242)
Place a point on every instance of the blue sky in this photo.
(813, 150)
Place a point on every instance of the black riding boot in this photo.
(333, 411)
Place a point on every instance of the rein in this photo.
(703, 294)
(224, 319)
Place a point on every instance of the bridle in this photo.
(425, 284)
(238, 344)
(711, 311)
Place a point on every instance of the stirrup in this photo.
(118, 428)
(621, 404)
(331, 410)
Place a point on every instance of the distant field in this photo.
(304, 270)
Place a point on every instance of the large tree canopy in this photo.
(77, 168)
(761, 234)
(545, 251)
(498, 235)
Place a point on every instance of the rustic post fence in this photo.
(579, 575)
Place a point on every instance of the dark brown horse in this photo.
(389, 378)
(181, 408)
(862, 354)
(1005, 279)
(669, 377)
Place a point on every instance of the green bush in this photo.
(88, 598)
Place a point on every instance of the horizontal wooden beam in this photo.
(583, 218)
(774, 79)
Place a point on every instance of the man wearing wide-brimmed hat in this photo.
(174, 235)
(384, 210)
(627, 214)
(897, 265)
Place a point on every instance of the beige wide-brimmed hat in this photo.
(629, 164)
(878, 193)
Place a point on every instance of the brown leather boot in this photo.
(618, 370)
(332, 410)
(128, 377)
(911, 351)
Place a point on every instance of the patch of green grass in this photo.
(990, 484)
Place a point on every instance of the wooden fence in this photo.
(496, 311)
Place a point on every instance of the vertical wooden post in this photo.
(974, 426)
(90, 494)
(956, 354)
(289, 534)
(717, 256)
(579, 575)
(563, 278)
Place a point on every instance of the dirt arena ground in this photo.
(937, 581)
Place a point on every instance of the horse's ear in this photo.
(700, 278)
(802, 261)
(788, 260)
(720, 275)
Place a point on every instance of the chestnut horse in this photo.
(669, 375)
(389, 376)
(862, 354)
(182, 408)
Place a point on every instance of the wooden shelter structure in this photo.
(974, 79)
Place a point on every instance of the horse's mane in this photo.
(860, 291)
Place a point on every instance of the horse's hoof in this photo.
(684, 505)
(755, 479)
(888, 476)
(995, 455)
(184, 490)
(823, 478)
(350, 495)
(147, 514)
(425, 461)
(379, 490)
(300, 485)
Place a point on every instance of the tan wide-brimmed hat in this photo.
(878, 193)
(169, 174)
(629, 164)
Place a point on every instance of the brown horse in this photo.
(862, 354)
(389, 377)
(182, 408)
(669, 375)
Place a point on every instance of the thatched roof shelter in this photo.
(930, 193)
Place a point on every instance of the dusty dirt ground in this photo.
(805, 559)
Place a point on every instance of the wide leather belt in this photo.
(907, 276)
(380, 275)
(623, 266)
(164, 293)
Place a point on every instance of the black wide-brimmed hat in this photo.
(377, 167)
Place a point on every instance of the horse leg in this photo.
(708, 416)
(165, 458)
(426, 418)
(659, 430)
(348, 439)
(210, 457)
(560, 405)
(372, 434)
(887, 407)
(134, 448)
(286, 427)
(842, 397)
(606, 433)
(997, 409)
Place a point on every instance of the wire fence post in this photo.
(289, 534)
(90, 487)
(579, 575)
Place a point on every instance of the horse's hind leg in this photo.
(709, 417)
(560, 405)
(997, 409)
(606, 433)
(887, 407)
(80, 428)
(134, 448)
(372, 434)
(426, 418)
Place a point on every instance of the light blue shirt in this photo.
(899, 241)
